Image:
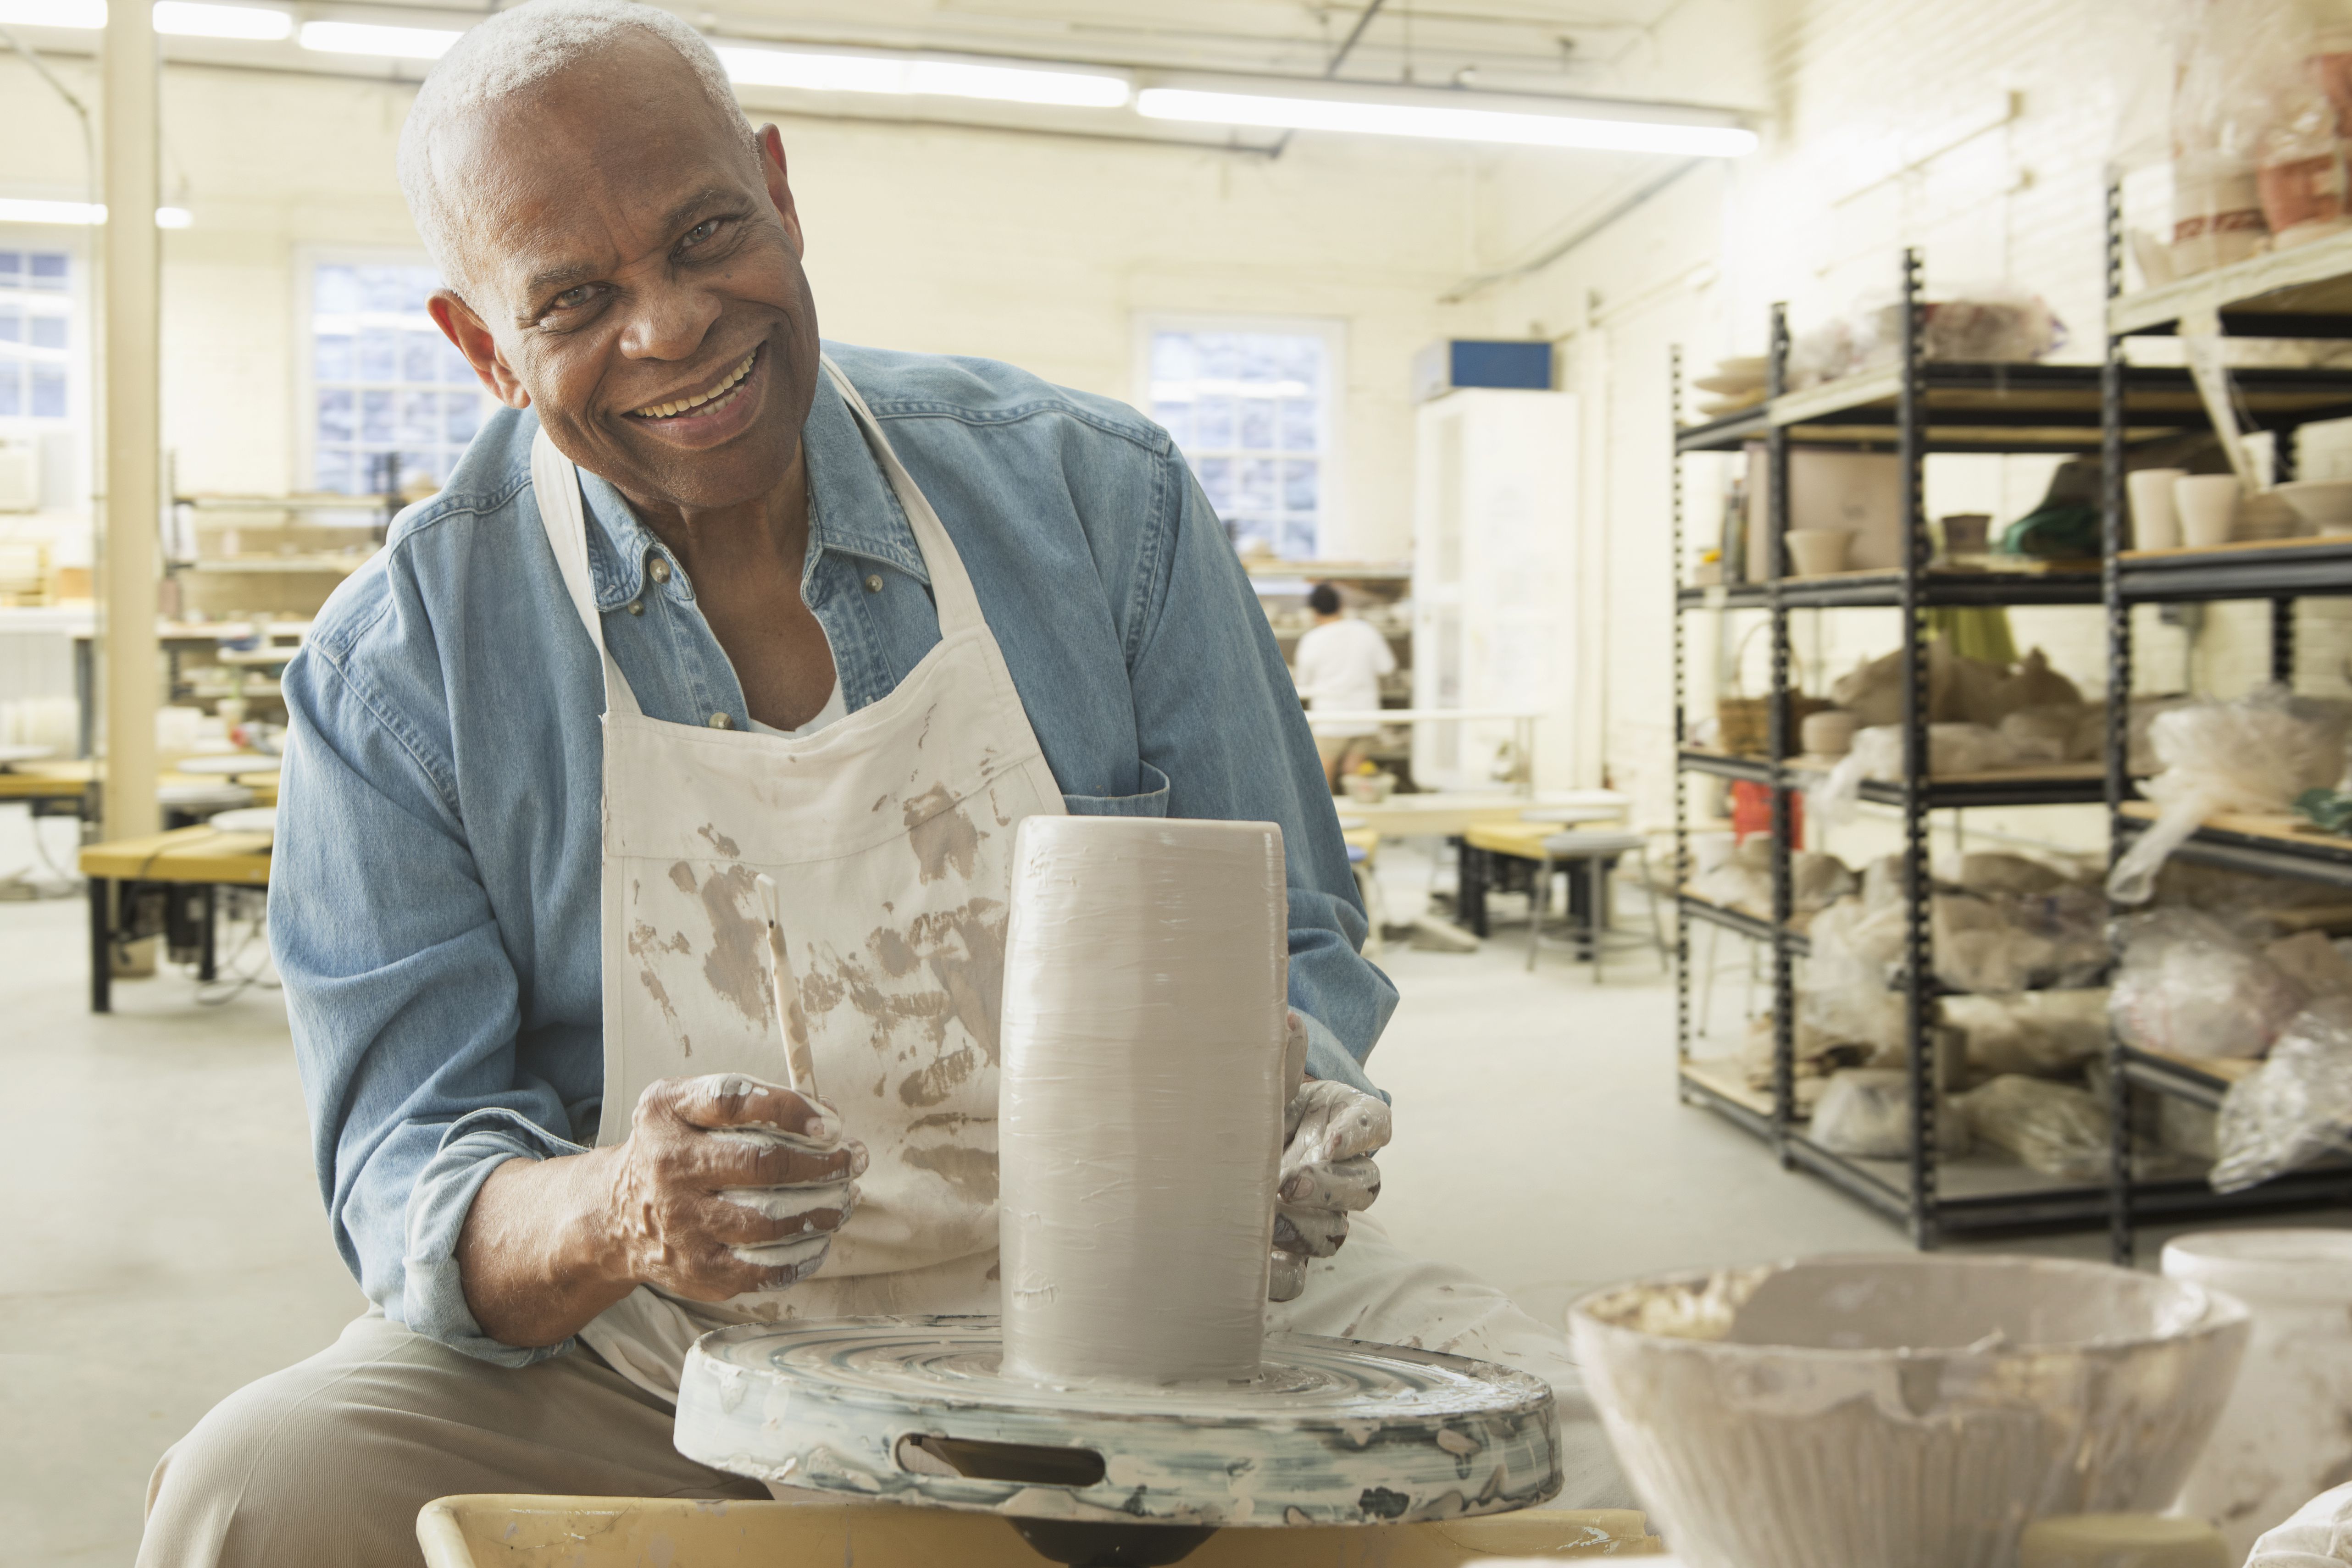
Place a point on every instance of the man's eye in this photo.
(701, 232)
(572, 298)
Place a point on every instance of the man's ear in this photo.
(771, 143)
(462, 326)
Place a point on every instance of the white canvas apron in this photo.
(889, 833)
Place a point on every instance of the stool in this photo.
(1596, 849)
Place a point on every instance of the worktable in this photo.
(132, 888)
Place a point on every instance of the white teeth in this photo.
(665, 410)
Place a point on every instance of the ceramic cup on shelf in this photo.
(2155, 524)
(1829, 733)
(2207, 504)
(1818, 552)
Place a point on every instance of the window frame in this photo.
(308, 259)
(81, 422)
(1331, 423)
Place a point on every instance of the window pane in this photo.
(1260, 360)
(1220, 357)
(47, 332)
(11, 388)
(336, 292)
(379, 355)
(1300, 359)
(12, 324)
(332, 360)
(1255, 489)
(462, 415)
(420, 419)
(1216, 476)
(383, 289)
(1297, 542)
(1298, 426)
(375, 416)
(1176, 418)
(1173, 357)
(334, 468)
(1256, 424)
(421, 356)
(49, 400)
(12, 270)
(335, 414)
(1299, 486)
(49, 269)
(1212, 422)
(1251, 534)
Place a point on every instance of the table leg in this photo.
(101, 945)
(206, 967)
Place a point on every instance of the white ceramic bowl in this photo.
(1818, 552)
(1866, 1411)
(2325, 504)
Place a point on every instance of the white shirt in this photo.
(834, 708)
(1339, 667)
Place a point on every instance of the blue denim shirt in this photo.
(433, 898)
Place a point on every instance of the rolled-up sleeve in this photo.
(1217, 713)
(402, 999)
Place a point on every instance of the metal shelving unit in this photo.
(2304, 292)
(1912, 408)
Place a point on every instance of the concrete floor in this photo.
(167, 1242)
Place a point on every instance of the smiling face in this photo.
(633, 272)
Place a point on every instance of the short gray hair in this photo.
(512, 53)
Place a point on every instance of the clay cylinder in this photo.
(1140, 1127)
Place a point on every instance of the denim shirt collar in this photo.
(852, 511)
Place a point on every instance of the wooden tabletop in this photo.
(184, 854)
(66, 780)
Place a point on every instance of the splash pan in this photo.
(1853, 1412)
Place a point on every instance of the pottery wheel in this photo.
(916, 1410)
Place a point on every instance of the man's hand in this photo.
(725, 1184)
(1329, 1134)
(729, 1184)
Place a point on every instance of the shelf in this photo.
(1755, 927)
(279, 565)
(1329, 570)
(2201, 1081)
(2061, 784)
(1722, 1085)
(2302, 292)
(1990, 408)
(1884, 589)
(2264, 568)
(2269, 846)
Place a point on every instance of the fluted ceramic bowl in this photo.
(1858, 1412)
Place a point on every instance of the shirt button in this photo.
(873, 583)
(659, 570)
(637, 607)
(721, 721)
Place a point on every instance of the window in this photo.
(36, 334)
(392, 400)
(1250, 401)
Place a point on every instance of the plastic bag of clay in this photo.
(1952, 748)
(1979, 949)
(2315, 1536)
(2041, 1034)
(1813, 1056)
(2055, 1128)
(2254, 754)
(1843, 983)
(2312, 961)
(2190, 985)
(1866, 1113)
(2294, 1109)
(1997, 873)
(1744, 881)
(2051, 733)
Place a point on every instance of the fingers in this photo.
(794, 1205)
(1287, 1278)
(719, 1100)
(1335, 1122)
(1350, 1186)
(736, 1157)
(1317, 1232)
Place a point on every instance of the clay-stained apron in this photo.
(890, 835)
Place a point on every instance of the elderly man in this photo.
(708, 603)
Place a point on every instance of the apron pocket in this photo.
(1152, 802)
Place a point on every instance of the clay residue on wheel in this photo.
(942, 834)
(1683, 1309)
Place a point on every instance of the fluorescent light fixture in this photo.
(1450, 116)
(53, 13)
(175, 218)
(812, 70)
(190, 19)
(16, 211)
(370, 38)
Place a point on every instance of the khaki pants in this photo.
(330, 1460)
(1341, 752)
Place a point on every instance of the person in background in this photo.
(1341, 662)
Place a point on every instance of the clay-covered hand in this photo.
(729, 1184)
(1331, 1132)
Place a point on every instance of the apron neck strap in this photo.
(555, 484)
(951, 589)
